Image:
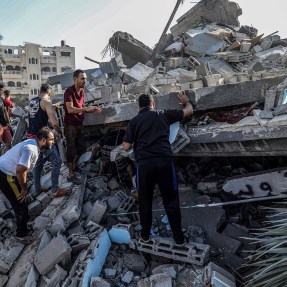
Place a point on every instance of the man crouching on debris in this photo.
(13, 176)
(148, 132)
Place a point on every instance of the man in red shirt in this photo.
(74, 99)
(5, 134)
(9, 105)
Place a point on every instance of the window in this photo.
(19, 84)
(66, 53)
(54, 70)
(11, 84)
(46, 69)
(8, 51)
(31, 77)
(33, 61)
(17, 68)
(29, 61)
(36, 61)
(37, 77)
(16, 52)
(34, 76)
(31, 92)
(35, 91)
(9, 68)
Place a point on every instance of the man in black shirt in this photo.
(148, 132)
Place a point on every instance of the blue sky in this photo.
(87, 25)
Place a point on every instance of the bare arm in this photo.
(21, 174)
(7, 115)
(73, 110)
(126, 145)
(184, 100)
(48, 107)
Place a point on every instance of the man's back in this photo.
(149, 131)
(38, 118)
(25, 153)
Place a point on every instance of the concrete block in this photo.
(175, 62)
(270, 98)
(267, 115)
(87, 208)
(122, 196)
(99, 282)
(194, 253)
(134, 262)
(113, 184)
(196, 84)
(110, 273)
(137, 73)
(257, 49)
(245, 46)
(113, 203)
(97, 213)
(55, 276)
(96, 261)
(106, 94)
(156, 280)
(41, 222)
(120, 233)
(203, 70)
(78, 242)
(128, 277)
(126, 205)
(52, 254)
(4, 209)
(280, 110)
(35, 208)
(45, 199)
(218, 280)
(58, 225)
(8, 254)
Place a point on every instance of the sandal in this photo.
(25, 240)
(62, 192)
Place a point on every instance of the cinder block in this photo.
(218, 280)
(194, 253)
(52, 254)
(55, 276)
(35, 208)
(126, 205)
(97, 212)
(99, 282)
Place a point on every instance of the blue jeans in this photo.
(52, 156)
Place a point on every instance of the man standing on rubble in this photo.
(40, 111)
(148, 132)
(74, 99)
(14, 165)
(5, 134)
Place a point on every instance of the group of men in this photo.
(147, 133)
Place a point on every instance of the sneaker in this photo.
(182, 242)
(145, 239)
(25, 240)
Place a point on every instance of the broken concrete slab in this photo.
(259, 184)
(137, 73)
(226, 12)
(53, 253)
(202, 99)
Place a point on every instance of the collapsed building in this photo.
(229, 154)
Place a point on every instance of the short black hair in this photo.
(45, 88)
(43, 133)
(1, 86)
(77, 73)
(6, 93)
(145, 100)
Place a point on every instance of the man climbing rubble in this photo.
(40, 111)
(74, 98)
(148, 133)
(14, 165)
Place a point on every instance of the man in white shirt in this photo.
(14, 165)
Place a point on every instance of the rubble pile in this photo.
(91, 237)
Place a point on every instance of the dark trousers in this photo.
(163, 174)
(74, 141)
(11, 188)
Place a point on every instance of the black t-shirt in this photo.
(3, 120)
(112, 138)
(149, 133)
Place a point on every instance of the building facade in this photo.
(27, 67)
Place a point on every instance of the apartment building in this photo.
(27, 67)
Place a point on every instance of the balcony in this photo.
(12, 74)
(48, 59)
(12, 58)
